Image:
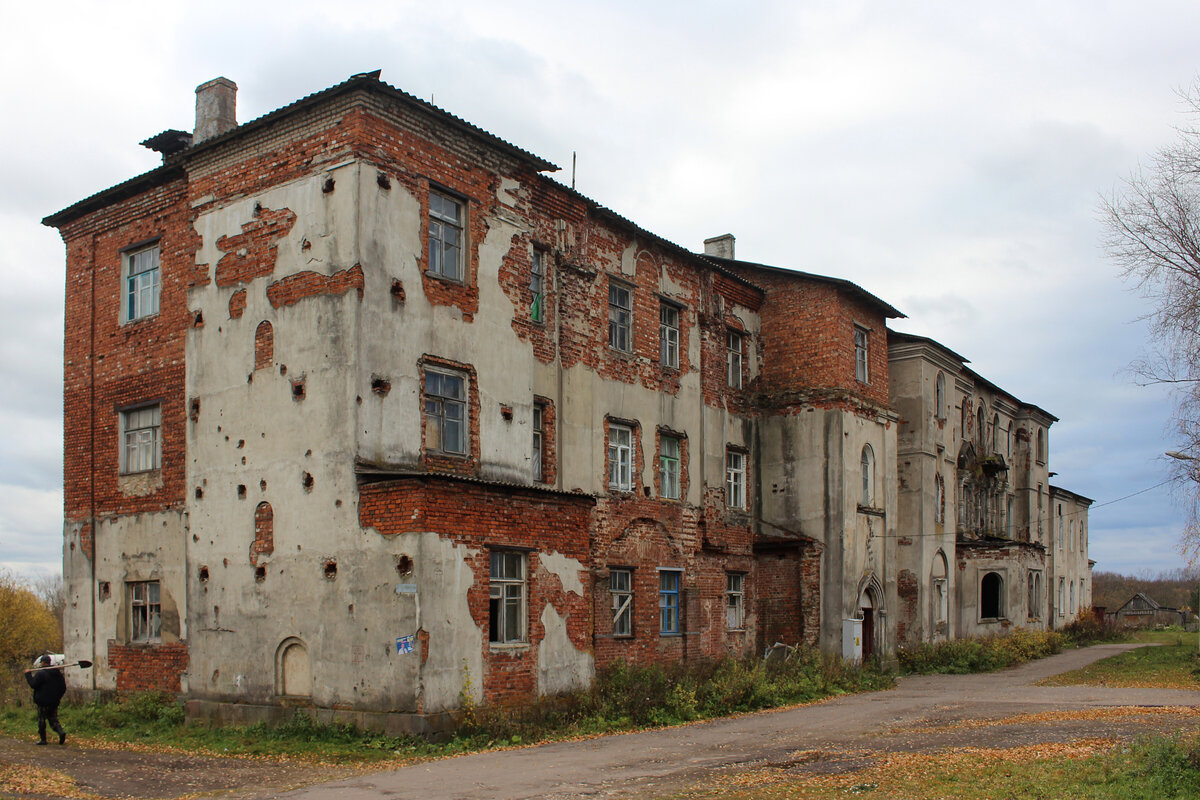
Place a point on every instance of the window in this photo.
(537, 286)
(668, 601)
(1039, 512)
(1072, 607)
(981, 428)
(668, 467)
(445, 237)
(868, 476)
(1071, 535)
(1062, 596)
(939, 410)
(141, 449)
(939, 499)
(1081, 594)
(733, 359)
(1041, 446)
(620, 458)
(668, 336)
(735, 601)
(1008, 518)
(995, 433)
(538, 442)
(143, 282)
(735, 479)
(620, 585)
(966, 417)
(506, 607)
(445, 412)
(991, 596)
(941, 600)
(145, 612)
(620, 318)
(1035, 594)
(1061, 536)
(1008, 441)
(860, 354)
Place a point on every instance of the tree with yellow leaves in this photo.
(27, 627)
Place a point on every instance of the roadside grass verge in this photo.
(1161, 768)
(623, 697)
(1172, 664)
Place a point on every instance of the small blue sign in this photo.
(404, 644)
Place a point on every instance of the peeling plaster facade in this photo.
(395, 420)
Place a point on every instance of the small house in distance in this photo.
(1141, 611)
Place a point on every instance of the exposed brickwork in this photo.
(145, 668)
(515, 276)
(237, 304)
(264, 345)
(252, 253)
(294, 288)
(549, 441)
(788, 577)
(264, 533)
(486, 518)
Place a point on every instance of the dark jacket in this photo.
(48, 685)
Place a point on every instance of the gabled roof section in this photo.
(1076, 496)
(365, 81)
(852, 289)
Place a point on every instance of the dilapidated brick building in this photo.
(365, 411)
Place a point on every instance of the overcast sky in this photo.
(948, 157)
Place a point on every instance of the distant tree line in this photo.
(1175, 588)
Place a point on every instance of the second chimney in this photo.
(216, 109)
(719, 246)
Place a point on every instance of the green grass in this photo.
(1173, 663)
(1160, 768)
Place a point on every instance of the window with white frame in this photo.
(668, 601)
(867, 465)
(620, 317)
(860, 354)
(735, 601)
(445, 236)
(506, 606)
(141, 441)
(538, 442)
(939, 410)
(537, 285)
(145, 612)
(668, 467)
(668, 335)
(620, 457)
(620, 586)
(733, 359)
(143, 283)
(735, 479)
(445, 411)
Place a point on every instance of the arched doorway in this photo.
(866, 607)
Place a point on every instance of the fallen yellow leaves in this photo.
(25, 781)
(1051, 717)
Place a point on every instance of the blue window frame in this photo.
(668, 601)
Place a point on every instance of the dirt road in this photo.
(651, 761)
(920, 714)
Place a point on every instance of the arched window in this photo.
(941, 590)
(995, 433)
(1008, 518)
(1061, 537)
(1008, 441)
(940, 409)
(981, 430)
(1072, 592)
(868, 476)
(991, 596)
(1041, 445)
(966, 417)
(293, 671)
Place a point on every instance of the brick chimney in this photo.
(719, 246)
(216, 109)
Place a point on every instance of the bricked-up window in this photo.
(537, 286)
(1039, 515)
(620, 317)
(620, 586)
(939, 499)
(143, 282)
(668, 467)
(991, 596)
(506, 608)
(860, 354)
(733, 359)
(445, 411)
(940, 410)
(539, 442)
(145, 612)
(620, 458)
(668, 335)
(735, 479)
(445, 236)
(867, 464)
(141, 444)
(735, 601)
(668, 601)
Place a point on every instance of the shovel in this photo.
(81, 664)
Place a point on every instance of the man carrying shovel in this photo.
(48, 686)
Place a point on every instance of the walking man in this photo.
(48, 686)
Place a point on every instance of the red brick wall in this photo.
(141, 668)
